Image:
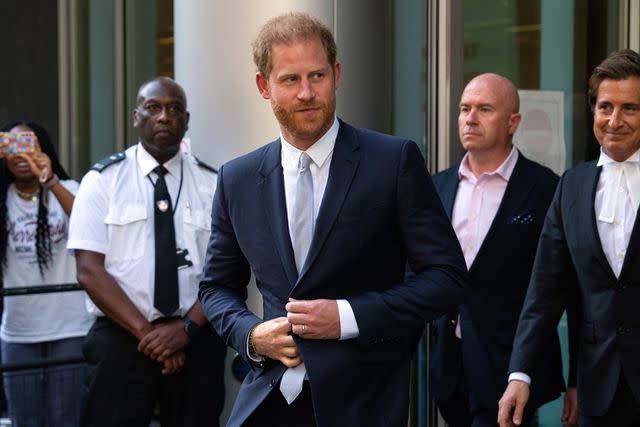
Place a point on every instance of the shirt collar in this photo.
(505, 170)
(605, 159)
(616, 175)
(148, 163)
(319, 151)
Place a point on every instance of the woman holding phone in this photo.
(36, 196)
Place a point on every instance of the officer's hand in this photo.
(514, 398)
(164, 340)
(173, 364)
(272, 339)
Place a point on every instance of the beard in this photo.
(305, 128)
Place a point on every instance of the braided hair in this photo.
(43, 239)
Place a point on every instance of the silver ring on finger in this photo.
(302, 333)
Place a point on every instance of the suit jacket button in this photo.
(273, 382)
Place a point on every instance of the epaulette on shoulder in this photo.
(108, 161)
(204, 165)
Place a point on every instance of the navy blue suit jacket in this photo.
(570, 257)
(379, 211)
(499, 277)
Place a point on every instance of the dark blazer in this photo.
(570, 257)
(379, 211)
(499, 276)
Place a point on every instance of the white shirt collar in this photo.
(618, 175)
(505, 170)
(148, 163)
(605, 159)
(319, 151)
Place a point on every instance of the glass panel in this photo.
(409, 62)
(545, 45)
(148, 51)
(164, 44)
(129, 43)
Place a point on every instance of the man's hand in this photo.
(570, 410)
(271, 339)
(515, 396)
(317, 319)
(164, 340)
(174, 363)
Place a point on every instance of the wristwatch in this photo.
(191, 328)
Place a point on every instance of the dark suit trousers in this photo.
(275, 412)
(623, 412)
(124, 386)
(455, 409)
(489, 418)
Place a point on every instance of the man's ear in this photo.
(136, 117)
(263, 86)
(187, 123)
(336, 74)
(514, 122)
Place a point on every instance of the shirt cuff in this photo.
(520, 376)
(348, 325)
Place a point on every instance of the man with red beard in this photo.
(326, 217)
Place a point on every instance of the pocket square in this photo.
(522, 219)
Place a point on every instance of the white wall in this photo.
(213, 63)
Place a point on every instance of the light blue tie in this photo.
(302, 212)
(302, 232)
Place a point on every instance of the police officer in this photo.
(139, 228)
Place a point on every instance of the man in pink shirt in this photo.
(496, 200)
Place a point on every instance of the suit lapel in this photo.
(344, 164)
(449, 191)
(273, 198)
(515, 195)
(632, 247)
(586, 197)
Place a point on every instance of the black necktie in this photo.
(166, 279)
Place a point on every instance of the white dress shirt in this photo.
(615, 206)
(113, 215)
(321, 153)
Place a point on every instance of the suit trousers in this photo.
(124, 386)
(275, 412)
(455, 409)
(489, 417)
(623, 412)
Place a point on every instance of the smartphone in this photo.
(18, 142)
